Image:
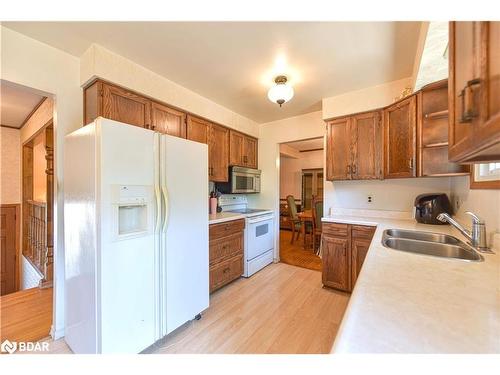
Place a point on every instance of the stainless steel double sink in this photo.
(427, 243)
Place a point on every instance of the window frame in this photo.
(485, 184)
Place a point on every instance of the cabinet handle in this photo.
(225, 270)
(349, 170)
(410, 163)
(468, 110)
(345, 249)
(354, 169)
(153, 127)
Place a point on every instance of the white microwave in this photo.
(241, 181)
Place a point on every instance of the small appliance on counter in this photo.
(429, 206)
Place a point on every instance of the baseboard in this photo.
(56, 333)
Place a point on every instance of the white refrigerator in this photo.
(136, 236)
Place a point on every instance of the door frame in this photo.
(17, 270)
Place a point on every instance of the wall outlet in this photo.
(370, 198)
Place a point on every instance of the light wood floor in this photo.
(281, 309)
(26, 315)
(295, 254)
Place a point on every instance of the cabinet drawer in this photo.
(226, 247)
(225, 229)
(335, 229)
(363, 231)
(225, 272)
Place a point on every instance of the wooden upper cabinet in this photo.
(354, 147)
(218, 153)
(197, 129)
(168, 120)
(124, 106)
(400, 139)
(338, 150)
(236, 148)
(250, 152)
(366, 135)
(474, 91)
(242, 150)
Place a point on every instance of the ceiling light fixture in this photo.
(281, 92)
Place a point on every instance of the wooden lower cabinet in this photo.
(344, 248)
(336, 263)
(226, 252)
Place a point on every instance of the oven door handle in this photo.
(260, 219)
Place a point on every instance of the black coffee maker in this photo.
(429, 206)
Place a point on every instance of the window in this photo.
(485, 176)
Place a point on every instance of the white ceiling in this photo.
(307, 144)
(234, 63)
(16, 103)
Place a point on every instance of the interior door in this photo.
(8, 249)
(168, 120)
(367, 137)
(400, 139)
(338, 150)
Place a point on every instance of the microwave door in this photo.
(243, 183)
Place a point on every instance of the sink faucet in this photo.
(476, 237)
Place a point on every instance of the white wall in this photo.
(291, 171)
(36, 65)
(365, 99)
(97, 61)
(392, 195)
(10, 166)
(485, 203)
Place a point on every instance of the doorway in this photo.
(27, 212)
(301, 201)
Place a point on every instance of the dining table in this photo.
(305, 217)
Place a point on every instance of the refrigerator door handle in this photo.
(165, 202)
(157, 183)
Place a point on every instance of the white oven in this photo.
(259, 242)
(260, 234)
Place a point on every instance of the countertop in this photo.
(221, 217)
(410, 303)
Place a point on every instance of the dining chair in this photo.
(294, 219)
(317, 214)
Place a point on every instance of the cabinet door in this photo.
(487, 128)
(359, 249)
(250, 152)
(464, 48)
(338, 150)
(336, 263)
(400, 129)
(366, 132)
(236, 148)
(167, 120)
(197, 130)
(124, 106)
(218, 153)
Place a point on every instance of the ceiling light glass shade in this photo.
(280, 93)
